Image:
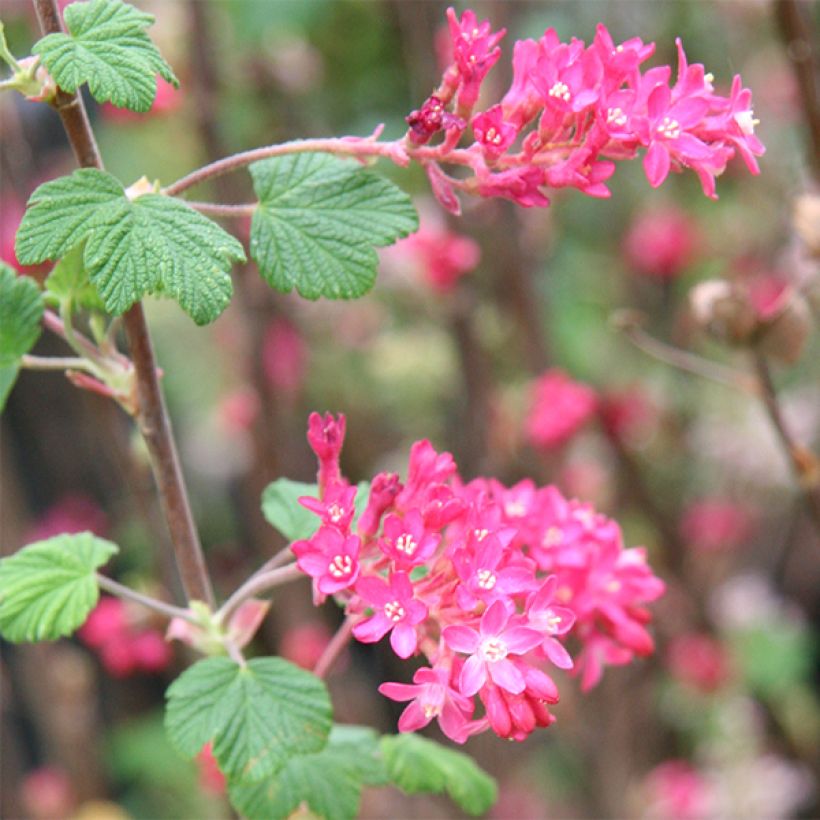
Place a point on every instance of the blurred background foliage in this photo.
(723, 721)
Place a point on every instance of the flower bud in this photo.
(724, 310)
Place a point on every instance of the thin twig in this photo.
(79, 343)
(628, 323)
(57, 363)
(121, 591)
(219, 209)
(335, 647)
(153, 419)
(805, 465)
(259, 582)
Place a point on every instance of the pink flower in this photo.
(330, 558)
(661, 242)
(494, 134)
(46, 793)
(489, 647)
(715, 524)
(106, 622)
(211, 779)
(406, 542)
(395, 609)
(432, 696)
(475, 48)
(326, 436)
(72, 513)
(337, 507)
(699, 661)
(304, 644)
(558, 410)
(383, 491)
(284, 356)
(167, 100)
(149, 651)
(550, 621)
(678, 791)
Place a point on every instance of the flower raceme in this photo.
(488, 583)
(571, 111)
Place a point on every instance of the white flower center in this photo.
(340, 566)
(616, 116)
(552, 538)
(486, 578)
(335, 512)
(493, 650)
(480, 535)
(515, 509)
(669, 128)
(548, 621)
(394, 611)
(492, 136)
(406, 544)
(747, 122)
(560, 90)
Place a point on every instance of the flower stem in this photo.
(57, 363)
(129, 594)
(152, 414)
(335, 647)
(219, 209)
(805, 464)
(258, 582)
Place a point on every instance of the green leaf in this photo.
(48, 588)
(281, 507)
(21, 312)
(69, 284)
(257, 716)
(106, 47)
(416, 764)
(318, 220)
(153, 244)
(329, 782)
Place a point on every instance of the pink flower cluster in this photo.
(572, 109)
(487, 582)
(124, 647)
(559, 408)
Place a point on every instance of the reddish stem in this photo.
(152, 416)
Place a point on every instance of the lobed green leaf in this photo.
(318, 222)
(68, 282)
(416, 764)
(257, 716)
(21, 312)
(108, 48)
(281, 507)
(153, 244)
(329, 782)
(48, 588)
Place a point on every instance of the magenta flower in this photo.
(558, 409)
(406, 542)
(395, 609)
(326, 436)
(330, 558)
(431, 697)
(337, 506)
(383, 491)
(475, 48)
(550, 621)
(488, 649)
(494, 134)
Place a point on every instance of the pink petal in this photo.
(404, 640)
(494, 619)
(413, 718)
(400, 691)
(691, 147)
(374, 590)
(556, 652)
(656, 164)
(461, 638)
(473, 675)
(373, 629)
(505, 674)
(520, 639)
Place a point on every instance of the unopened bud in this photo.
(783, 336)
(724, 310)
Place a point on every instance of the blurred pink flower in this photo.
(239, 408)
(211, 779)
(46, 793)
(167, 100)
(661, 242)
(676, 790)
(559, 408)
(284, 356)
(714, 524)
(304, 644)
(71, 514)
(698, 660)
(629, 414)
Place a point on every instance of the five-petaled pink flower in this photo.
(330, 558)
(488, 648)
(395, 609)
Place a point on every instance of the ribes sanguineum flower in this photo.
(331, 558)
(395, 609)
(489, 647)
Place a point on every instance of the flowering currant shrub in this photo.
(488, 587)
